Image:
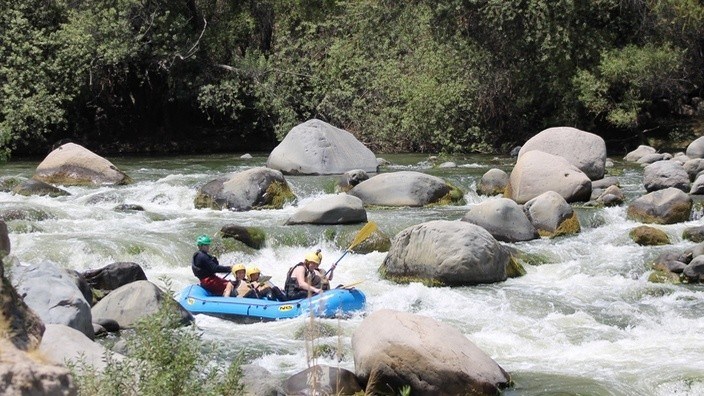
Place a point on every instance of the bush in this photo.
(165, 360)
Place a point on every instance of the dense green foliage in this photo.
(422, 75)
(164, 360)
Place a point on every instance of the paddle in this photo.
(350, 286)
(363, 234)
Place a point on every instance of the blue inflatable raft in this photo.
(330, 304)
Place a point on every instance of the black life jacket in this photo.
(291, 286)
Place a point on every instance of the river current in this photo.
(584, 320)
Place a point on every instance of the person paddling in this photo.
(262, 287)
(205, 267)
(301, 278)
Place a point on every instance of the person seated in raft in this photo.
(321, 279)
(302, 278)
(205, 266)
(262, 287)
(240, 284)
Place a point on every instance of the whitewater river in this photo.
(585, 321)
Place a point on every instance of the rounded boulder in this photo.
(72, 164)
(332, 209)
(406, 188)
(256, 188)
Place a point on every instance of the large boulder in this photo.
(331, 209)
(393, 349)
(442, 252)
(71, 164)
(584, 150)
(696, 148)
(256, 188)
(52, 293)
(666, 206)
(132, 302)
(537, 172)
(694, 167)
(318, 148)
(62, 344)
(664, 174)
(253, 237)
(503, 218)
(551, 215)
(23, 373)
(406, 188)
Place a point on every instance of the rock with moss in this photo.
(666, 206)
(5, 246)
(24, 213)
(378, 241)
(23, 373)
(350, 179)
(493, 182)
(551, 215)
(406, 188)
(311, 330)
(694, 234)
(256, 188)
(7, 183)
(393, 349)
(253, 237)
(37, 187)
(514, 268)
(664, 277)
(649, 236)
(445, 253)
(72, 164)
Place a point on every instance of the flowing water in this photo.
(584, 321)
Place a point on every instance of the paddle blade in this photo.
(363, 234)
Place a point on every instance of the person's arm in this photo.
(210, 264)
(300, 275)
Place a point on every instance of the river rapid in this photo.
(584, 320)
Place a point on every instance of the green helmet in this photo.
(203, 240)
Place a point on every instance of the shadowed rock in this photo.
(257, 188)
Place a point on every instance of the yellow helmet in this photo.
(238, 267)
(252, 271)
(314, 257)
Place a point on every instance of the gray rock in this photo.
(318, 148)
(612, 196)
(52, 293)
(694, 234)
(72, 164)
(696, 148)
(698, 186)
(256, 188)
(253, 237)
(24, 327)
(641, 151)
(537, 172)
(448, 164)
(606, 182)
(652, 158)
(115, 275)
(382, 162)
(322, 380)
(514, 151)
(493, 182)
(503, 218)
(257, 381)
(37, 187)
(128, 208)
(665, 174)
(62, 344)
(331, 209)
(406, 188)
(694, 271)
(551, 215)
(693, 167)
(393, 348)
(132, 302)
(446, 252)
(246, 156)
(350, 179)
(666, 206)
(584, 150)
(82, 284)
(22, 374)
